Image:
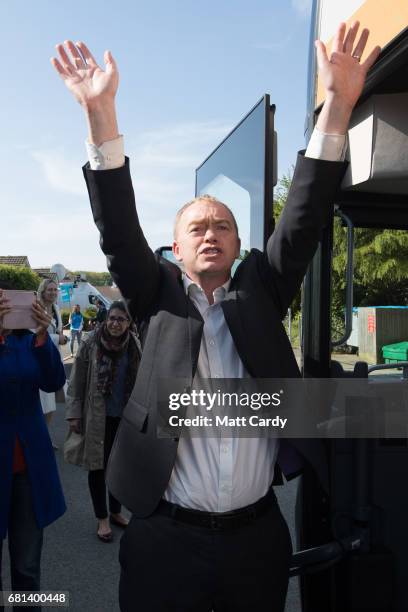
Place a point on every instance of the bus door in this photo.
(241, 171)
(367, 501)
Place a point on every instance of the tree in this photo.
(19, 277)
(96, 279)
(380, 274)
(281, 195)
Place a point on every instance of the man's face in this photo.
(206, 240)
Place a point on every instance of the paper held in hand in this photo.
(21, 316)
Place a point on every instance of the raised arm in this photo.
(130, 260)
(315, 181)
(95, 89)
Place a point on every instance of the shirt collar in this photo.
(192, 288)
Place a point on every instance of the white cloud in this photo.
(61, 172)
(181, 145)
(163, 162)
(302, 7)
(275, 45)
(55, 237)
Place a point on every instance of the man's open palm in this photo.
(84, 78)
(341, 73)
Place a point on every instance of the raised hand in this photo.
(342, 74)
(93, 87)
(81, 74)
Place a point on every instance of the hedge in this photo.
(19, 277)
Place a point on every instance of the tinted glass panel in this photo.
(239, 171)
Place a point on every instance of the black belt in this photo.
(218, 520)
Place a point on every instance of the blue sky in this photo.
(188, 72)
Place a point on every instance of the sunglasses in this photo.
(120, 320)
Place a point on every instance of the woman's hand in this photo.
(75, 425)
(41, 317)
(62, 339)
(4, 309)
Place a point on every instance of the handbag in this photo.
(74, 447)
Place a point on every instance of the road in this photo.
(75, 560)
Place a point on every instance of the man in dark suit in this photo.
(206, 531)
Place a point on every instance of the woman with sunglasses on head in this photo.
(101, 381)
(30, 490)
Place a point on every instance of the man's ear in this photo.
(238, 247)
(176, 251)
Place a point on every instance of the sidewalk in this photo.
(66, 350)
(346, 360)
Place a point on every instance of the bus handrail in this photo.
(391, 366)
(348, 313)
(320, 557)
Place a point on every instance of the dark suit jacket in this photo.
(261, 291)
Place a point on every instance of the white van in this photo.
(79, 292)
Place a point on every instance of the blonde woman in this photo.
(47, 295)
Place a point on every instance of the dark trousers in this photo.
(25, 540)
(170, 566)
(96, 478)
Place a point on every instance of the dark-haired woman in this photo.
(101, 381)
(30, 490)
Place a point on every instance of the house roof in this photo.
(46, 273)
(14, 260)
(112, 293)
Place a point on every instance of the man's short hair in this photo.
(205, 198)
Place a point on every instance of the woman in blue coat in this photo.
(30, 490)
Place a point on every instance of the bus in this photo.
(367, 476)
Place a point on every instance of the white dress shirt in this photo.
(219, 474)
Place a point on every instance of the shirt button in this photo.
(211, 342)
(224, 448)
